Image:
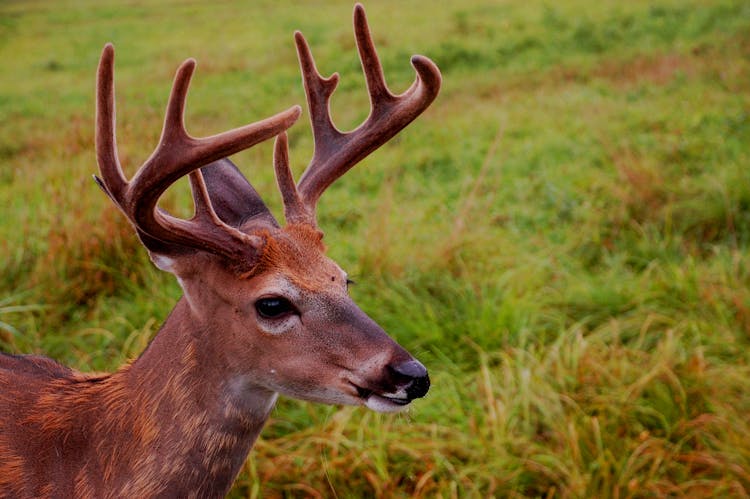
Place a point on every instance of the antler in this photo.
(335, 151)
(176, 155)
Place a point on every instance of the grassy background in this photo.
(563, 238)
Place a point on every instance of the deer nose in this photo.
(412, 376)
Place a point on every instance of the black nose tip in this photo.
(412, 375)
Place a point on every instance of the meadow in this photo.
(563, 238)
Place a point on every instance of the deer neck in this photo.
(201, 419)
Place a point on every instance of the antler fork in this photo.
(176, 155)
(335, 151)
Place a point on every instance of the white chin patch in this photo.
(384, 404)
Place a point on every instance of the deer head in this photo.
(267, 293)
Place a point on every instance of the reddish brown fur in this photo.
(135, 433)
(292, 251)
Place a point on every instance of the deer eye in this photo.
(274, 308)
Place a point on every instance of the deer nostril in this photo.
(411, 375)
(410, 369)
(418, 387)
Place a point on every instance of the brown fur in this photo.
(140, 432)
(292, 251)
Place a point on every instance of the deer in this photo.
(264, 311)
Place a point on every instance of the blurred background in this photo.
(562, 238)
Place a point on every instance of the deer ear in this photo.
(162, 254)
(166, 255)
(230, 191)
(234, 200)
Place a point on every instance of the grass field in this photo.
(563, 238)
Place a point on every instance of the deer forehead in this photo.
(297, 254)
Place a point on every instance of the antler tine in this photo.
(318, 90)
(106, 143)
(294, 210)
(176, 155)
(336, 152)
(368, 57)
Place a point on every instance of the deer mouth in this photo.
(380, 402)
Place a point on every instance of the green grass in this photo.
(563, 238)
